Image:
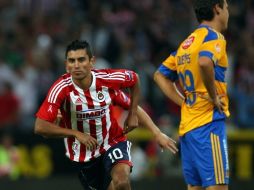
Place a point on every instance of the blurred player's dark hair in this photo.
(204, 9)
(79, 44)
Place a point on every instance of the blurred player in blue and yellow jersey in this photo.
(199, 64)
(197, 110)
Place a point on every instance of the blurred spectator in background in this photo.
(9, 158)
(9, 112)
(244, 92)
(125, 34)
(27, 92)
(138, 157)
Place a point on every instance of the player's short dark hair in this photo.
(79, 44)
(204, 9)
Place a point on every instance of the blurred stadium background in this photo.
(131, 34)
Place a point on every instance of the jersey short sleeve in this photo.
(212, 46)
(168, 68)
(117, 78)
(47, 111)
(49, 108)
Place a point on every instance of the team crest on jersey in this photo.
(74, 147)
(100, 96)
(187, 43)
(218, 48)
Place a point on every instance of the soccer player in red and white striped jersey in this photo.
(91, 134)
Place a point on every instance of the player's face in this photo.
(78, 64)
(224, 16)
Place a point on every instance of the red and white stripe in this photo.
(111, 76)
(105, 128)
(68, 124)
(57, 89)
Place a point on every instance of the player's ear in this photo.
(66, 68)
(92, 61)
(217, 9)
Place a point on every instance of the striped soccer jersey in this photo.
(90, 110)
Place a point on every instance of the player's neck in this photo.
(84, 83)
(213, 25)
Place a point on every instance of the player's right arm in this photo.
(51, 130)
(45, 122)
(165, 77)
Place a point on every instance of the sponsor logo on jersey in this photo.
(187, 43)
(100, 96)
(90, 114)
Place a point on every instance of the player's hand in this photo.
(90, 142)
(127, 129)
(166, 143)
(219, 101)
(130, 123)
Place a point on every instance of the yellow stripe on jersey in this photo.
(217, 159)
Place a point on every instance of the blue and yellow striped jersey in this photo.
(183, 65)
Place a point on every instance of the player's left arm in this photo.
(209, 56)
(117, 79)
(163, 140)
(207, 75)
(132, 118)
(131, 82)
(144, 120)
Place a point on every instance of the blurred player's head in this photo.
(208, 10)
(79, 59)
(79, 44)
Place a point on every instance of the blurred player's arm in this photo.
(51, 130)
(208, 78)
(121, 99)
(163, 140)
(168, 88)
